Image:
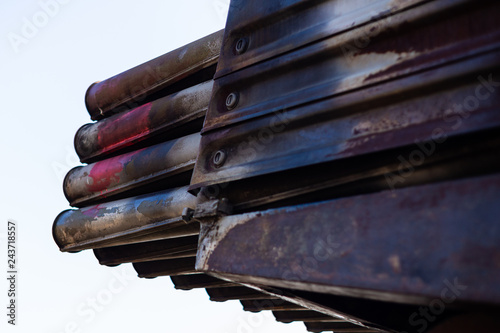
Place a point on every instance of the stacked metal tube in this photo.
(140, 153)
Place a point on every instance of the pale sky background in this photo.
(41, 95)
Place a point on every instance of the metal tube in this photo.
(122, 221)
(152, 269)
(130, 88)
(193, 281)
(147, 251)
(235, 293)
(269, 304)
(87, 184)
(96, 140)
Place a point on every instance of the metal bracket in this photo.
(212, 208)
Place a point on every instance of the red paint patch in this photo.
(92, 211)
(107, 172)
(123, 129)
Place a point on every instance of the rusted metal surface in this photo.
(312, 101)
(431, 161)
(153, 269)
(124, 221)
(164, 116)
(131, 88)
(272, 28)
(161, 249)
(412, 41)
(105, 179)
(235, 293)
(194, 281)
(353, 246)
(308, 135)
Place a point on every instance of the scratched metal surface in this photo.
(325, 98)
(317, 104)
(399, 245)
(124, 221)
(272, 28)
(182, 112)
(352, 125)
(105, 179)
(433, 34)
(131, 88)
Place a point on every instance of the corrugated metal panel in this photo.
(316, 105)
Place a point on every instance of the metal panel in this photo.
(423, 162)
(335, 326)
(105, 179)
(377, 315)
(130, 89)
(163, 116)
(405, 245)
(124, 221)
(426, 37)
(425, 107)
(271, 28)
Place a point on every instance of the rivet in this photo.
(219, 158)
(232, 100)
(241, 45)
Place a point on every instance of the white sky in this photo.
(42, 87)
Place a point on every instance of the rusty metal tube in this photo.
(87, 184)
(130, 88)
(122, 221)
(96, 140)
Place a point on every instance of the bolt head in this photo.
(219, 158)
(241, 45)
(232, 100)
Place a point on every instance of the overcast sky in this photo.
(51, 51)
